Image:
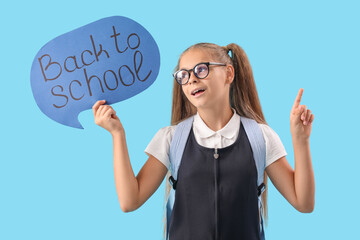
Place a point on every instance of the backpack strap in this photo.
(177, 147)
(258, 147)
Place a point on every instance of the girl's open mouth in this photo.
(198, 92)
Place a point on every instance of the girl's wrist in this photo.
(302, 140)
(118, 132)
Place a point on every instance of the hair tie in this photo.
(228, 51)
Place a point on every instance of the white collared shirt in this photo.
(219, 139)
(159, 146)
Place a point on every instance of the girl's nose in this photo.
(193, 78)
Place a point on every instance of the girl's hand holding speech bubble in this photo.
(105, 117)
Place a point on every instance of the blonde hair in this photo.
(243, 96)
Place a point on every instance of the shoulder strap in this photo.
(178, 143)
(257, 143)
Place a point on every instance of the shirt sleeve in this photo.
(274, 147)
(159, 146)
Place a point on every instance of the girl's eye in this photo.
(183, 74)
(201, 71)
(201, 68)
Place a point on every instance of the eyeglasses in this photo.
(201, 70)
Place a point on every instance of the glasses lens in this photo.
(201, 70)
(182, 76)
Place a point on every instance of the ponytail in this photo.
(243, 94)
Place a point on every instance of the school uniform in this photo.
(216, 198)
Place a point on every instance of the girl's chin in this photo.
(199, 105)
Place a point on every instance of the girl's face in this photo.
(214, 89)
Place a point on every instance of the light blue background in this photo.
(57, 182)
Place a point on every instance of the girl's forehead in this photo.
(194, 56)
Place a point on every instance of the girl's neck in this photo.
(216, 118)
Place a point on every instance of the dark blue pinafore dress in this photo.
(216, 194)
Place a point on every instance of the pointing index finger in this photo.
(298, 99)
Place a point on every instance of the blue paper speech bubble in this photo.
(114, 59)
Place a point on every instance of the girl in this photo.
(217, 89)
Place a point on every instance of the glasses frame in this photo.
(193, 70)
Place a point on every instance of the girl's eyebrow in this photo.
(186, 68)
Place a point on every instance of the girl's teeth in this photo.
(198, 92)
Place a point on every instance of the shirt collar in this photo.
(228, 131)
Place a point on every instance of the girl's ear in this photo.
(230, 73)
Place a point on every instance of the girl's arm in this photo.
(132, 191)
(297, 186)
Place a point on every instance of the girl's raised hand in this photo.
(105, 117)
(301, 119)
